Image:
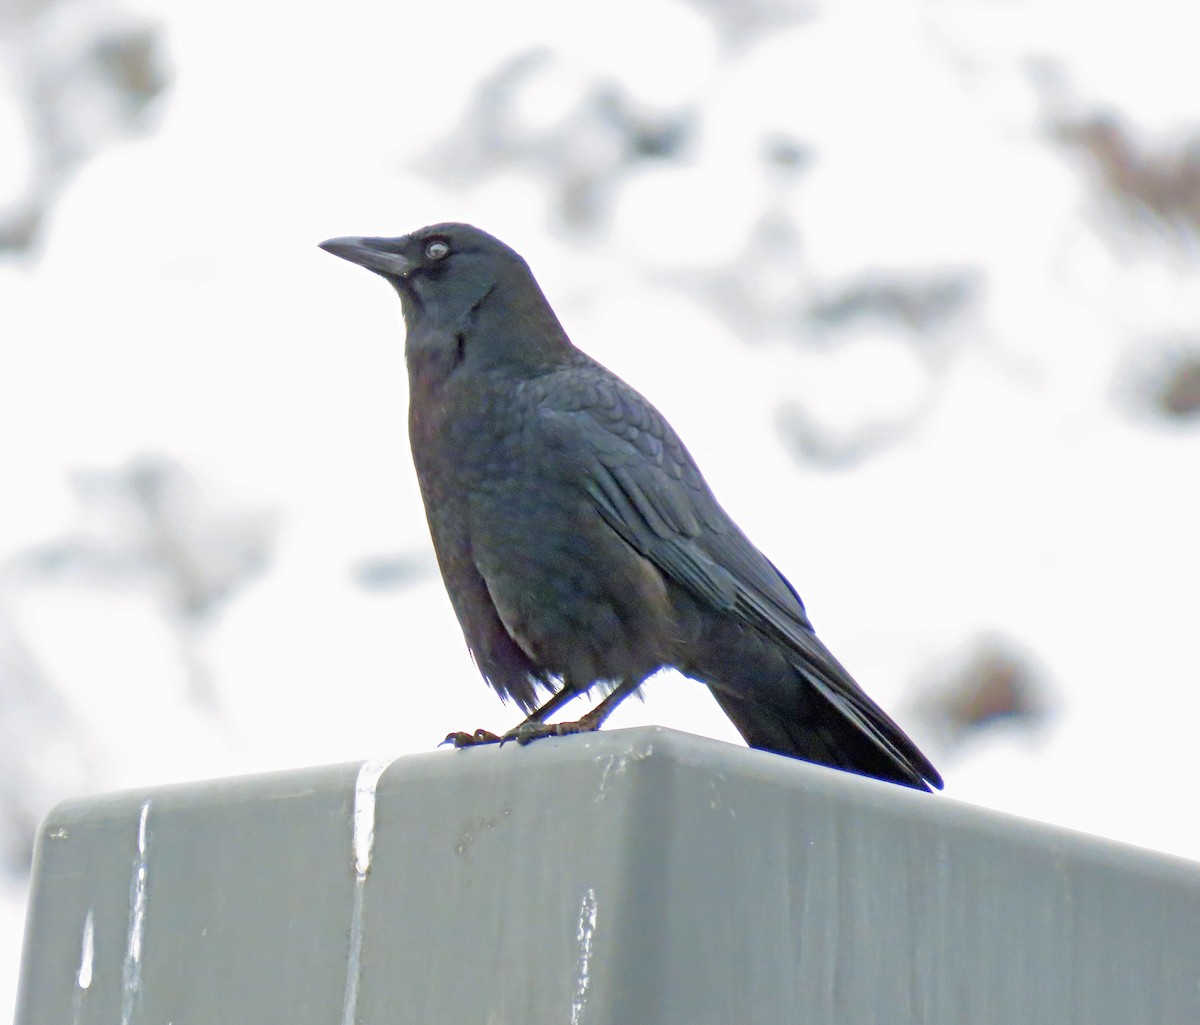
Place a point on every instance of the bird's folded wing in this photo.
(647, 488)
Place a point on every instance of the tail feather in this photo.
(855, 736)
(786, 692)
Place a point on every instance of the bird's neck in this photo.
(519, 334)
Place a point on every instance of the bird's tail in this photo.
(832, 723)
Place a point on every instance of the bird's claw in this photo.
(525, 733)
(460, 739)
(528, 732)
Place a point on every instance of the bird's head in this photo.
(455, 279)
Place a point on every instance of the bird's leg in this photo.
(552, 705)
(549, 707)
(534, 729)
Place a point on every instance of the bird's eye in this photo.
(437, 250)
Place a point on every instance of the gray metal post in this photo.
(636, 877)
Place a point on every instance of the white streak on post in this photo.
(364, 811)
(362, 845)
(616, 765)
(87, 959)
(584, 934)
(87, 952)
(131, 969)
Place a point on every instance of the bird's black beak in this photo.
(387, 256)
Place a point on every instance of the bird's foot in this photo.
(461, 739)
(528, 732)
